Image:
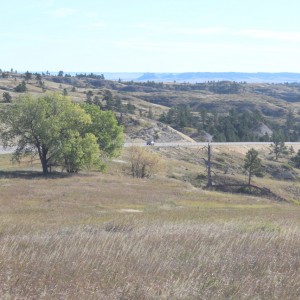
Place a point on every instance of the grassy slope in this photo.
(108, 236)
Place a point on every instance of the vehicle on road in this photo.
(150, 143)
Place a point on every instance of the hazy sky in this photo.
(150, 35)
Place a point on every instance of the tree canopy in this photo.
(60, 132)
(106, 129)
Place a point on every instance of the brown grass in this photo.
(108, 236)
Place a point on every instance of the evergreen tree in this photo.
(89, 96)
(296, 160)
(108, 98)
(28, 76)
(252, 164)
(7, 97)
(278, 146)
(21, 88)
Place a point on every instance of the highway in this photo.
(182, 145)
(202, 144)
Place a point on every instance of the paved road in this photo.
(205, 144)
(183, 145)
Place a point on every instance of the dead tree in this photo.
(208, 165)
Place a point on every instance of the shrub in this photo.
(143, 162)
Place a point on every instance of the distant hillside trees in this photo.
(60, 132)
(90, 75)
(232, 127)
(178, 117)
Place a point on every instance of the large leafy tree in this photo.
(55, 129)
(252, 164)
(105, 127)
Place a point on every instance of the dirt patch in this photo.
(130, 210)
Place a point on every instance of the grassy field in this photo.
(109, 236)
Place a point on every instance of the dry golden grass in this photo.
(109, 236)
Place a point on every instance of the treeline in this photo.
(218, 87)
(106, 101)
(232, 127)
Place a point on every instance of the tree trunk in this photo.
(45, 167)
(43, 158)
(209, 179)
(249, 178)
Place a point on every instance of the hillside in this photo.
(141, 104)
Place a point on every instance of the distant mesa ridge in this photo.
(219, 76)
(193, 77)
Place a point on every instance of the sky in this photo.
(150, 35)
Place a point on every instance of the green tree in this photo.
(130, 108)
(89, 96)
(65, 92)
(290, 121)
(105, 127)
(80, 152)
(278, 146)
(59, 131)
(118, 104)
(7, 97)
(21, 88)
(252, 164)
(150, 113)
(203, 114)
(296, 160)
(28, 76)
(291, 150)
(108, 98)
(38, 77)
(97, 101)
